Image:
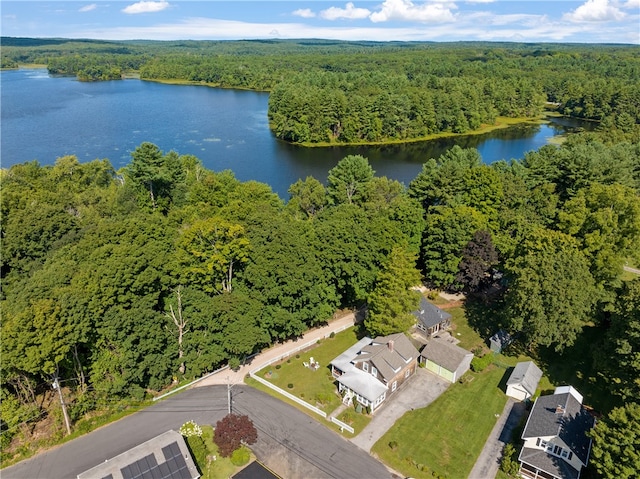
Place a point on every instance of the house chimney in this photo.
(390, 345)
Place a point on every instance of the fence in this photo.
(342, 425)
(191, 383)
(286, 394)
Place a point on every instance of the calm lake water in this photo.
(46, 117)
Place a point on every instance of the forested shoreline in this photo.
(124, 283)
(325, 93)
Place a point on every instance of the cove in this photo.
(45, 117)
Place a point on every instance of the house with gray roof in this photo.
(164, 457)
(372, 369)
(523, 381)
(555, 442)
(446, 359)
(430, 319)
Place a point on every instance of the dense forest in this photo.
(325, 92)
(123, 283)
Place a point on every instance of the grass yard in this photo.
(315, 387)
(469, 338)
(221, 467)
(318, 388)
(446, 438)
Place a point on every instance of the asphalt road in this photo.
(289, 442)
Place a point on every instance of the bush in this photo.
(332, 335)
(240, 456)
(393, 445)
(278, 366)
(289, 361)
(479, 364)
(297, 356)
(509, 464)
(198, 449)
(190, 428)
(290, 385)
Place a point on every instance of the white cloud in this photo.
(350, 12)
(406, 10)
(146, 7)
(595, 11)
(88, 8)
(480, 1)
(632, 4)
(304, 13)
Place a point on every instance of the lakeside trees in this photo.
(90, 268)
(354, 92)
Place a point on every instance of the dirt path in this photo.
(237, 377)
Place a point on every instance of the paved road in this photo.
(486, 466)
(422, 390)
(289, 442)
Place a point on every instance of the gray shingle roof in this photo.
(445, 354)
(561, 415)
(429, 314)
(164, 457)
(526, 374)
(379, 354)
(548, 463)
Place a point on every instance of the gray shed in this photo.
(523, 382)
(499, 341)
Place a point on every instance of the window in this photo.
(374, 371)
(365, 367)
(394, 385)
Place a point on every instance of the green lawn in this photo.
(318, 388)
(221, 467)
(469, 338)
(447, 436)
(315, 387)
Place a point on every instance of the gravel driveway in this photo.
(417, 393)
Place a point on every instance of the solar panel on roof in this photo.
(126, 472)
(156, 474)
(144, 465)
(184, 473)
(173, 467)
(164, 469)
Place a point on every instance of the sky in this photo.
(590, 21)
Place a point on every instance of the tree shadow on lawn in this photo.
(485, 319)
(576, 366)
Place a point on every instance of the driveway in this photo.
(424, 388)
(487, 464)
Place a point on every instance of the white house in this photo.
(555, 442)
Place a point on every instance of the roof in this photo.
(164, 457)
(501, 338)
(526, 374)
(445, 354)
(429, 314)
(561, 415)
(388, 361)
(548, 463)
(255, 470)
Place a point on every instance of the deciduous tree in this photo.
(232, 431)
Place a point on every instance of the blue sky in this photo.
(583, 21)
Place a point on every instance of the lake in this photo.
(45, 117)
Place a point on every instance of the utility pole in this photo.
(228, 395)
(56, 385)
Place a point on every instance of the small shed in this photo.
(499, 341)
(446, 359)
(523, 382)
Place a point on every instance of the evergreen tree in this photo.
(393, 299)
